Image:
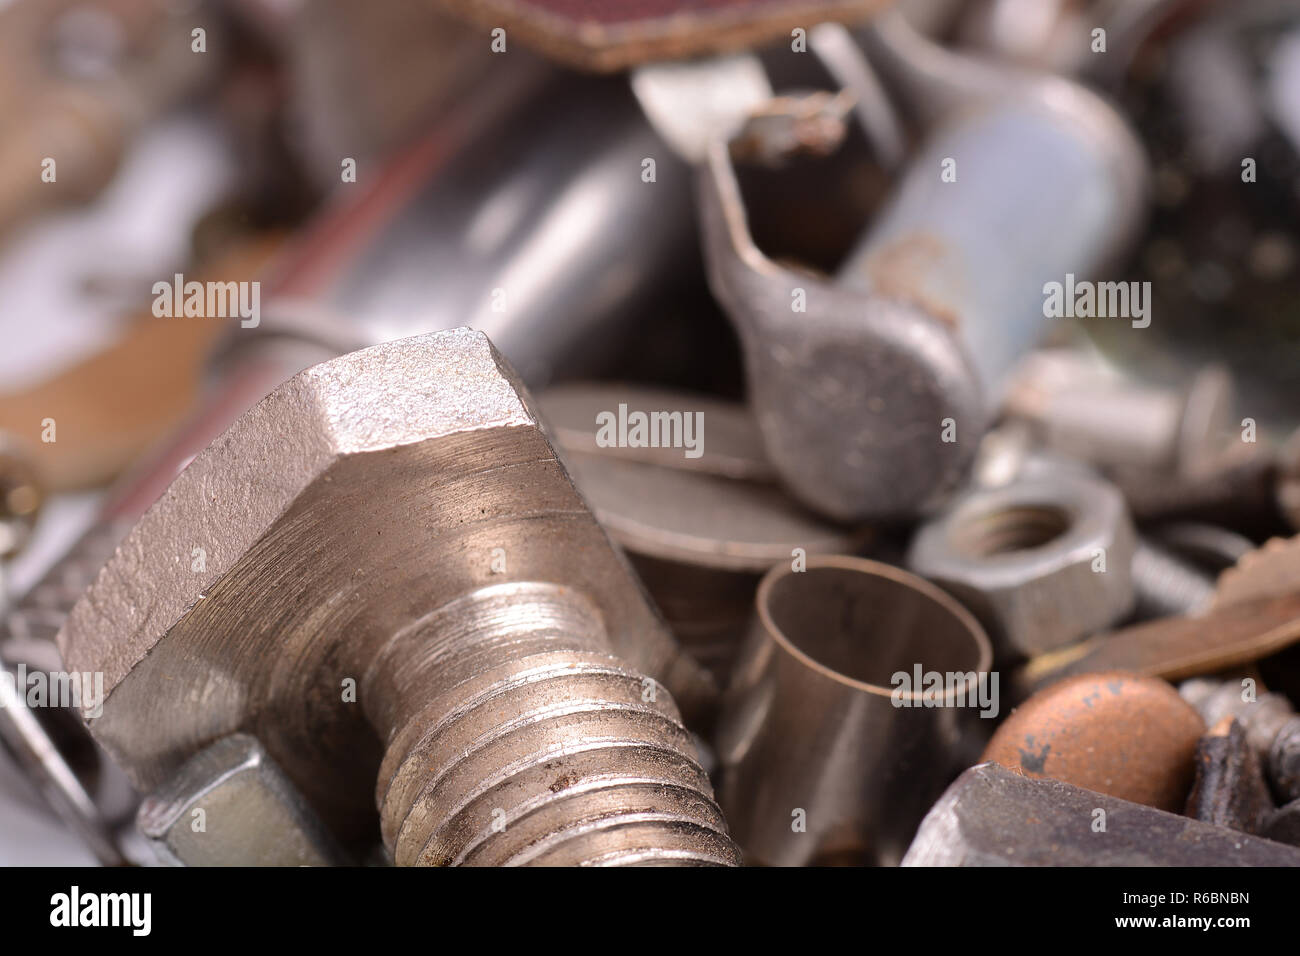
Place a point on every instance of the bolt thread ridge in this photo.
(515, 737)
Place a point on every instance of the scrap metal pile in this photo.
(504, 432)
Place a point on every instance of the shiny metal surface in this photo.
(1049, 177)
(825, 385)
(522, 214)
(230, 805)
(704, 520)
(733, 447)
(420, 540)
(700, 530)
(811, 731)
(27, 740)
(1106, 420)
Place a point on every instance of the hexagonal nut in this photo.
(1041, 562)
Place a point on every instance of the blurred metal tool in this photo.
(690, 103)
(21, 495)
(363, 80)
(1209, 547)
(26, 738)
(80, 80)
(827, 753)
(926, 316)
(522, 214)
(114, 405)
(993, 816)
(1221, 253)
(1288, 481)
(1100, 418)
(1166, 585)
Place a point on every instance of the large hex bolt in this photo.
(383, 567)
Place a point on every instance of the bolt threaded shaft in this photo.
(1167, 585)
(514, 736)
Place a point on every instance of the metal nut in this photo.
(1041, 562)
(250, 813)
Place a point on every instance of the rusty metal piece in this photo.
(114, 405)
(1239, 491)
(1271, 570)
(399, 580)
(607, 35)
(829, 746)
(1230, 790)
(992, 816)
(1025, 558)
(1130, 737)
(1176, 647)
(1255, 612)
(1271, 725)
